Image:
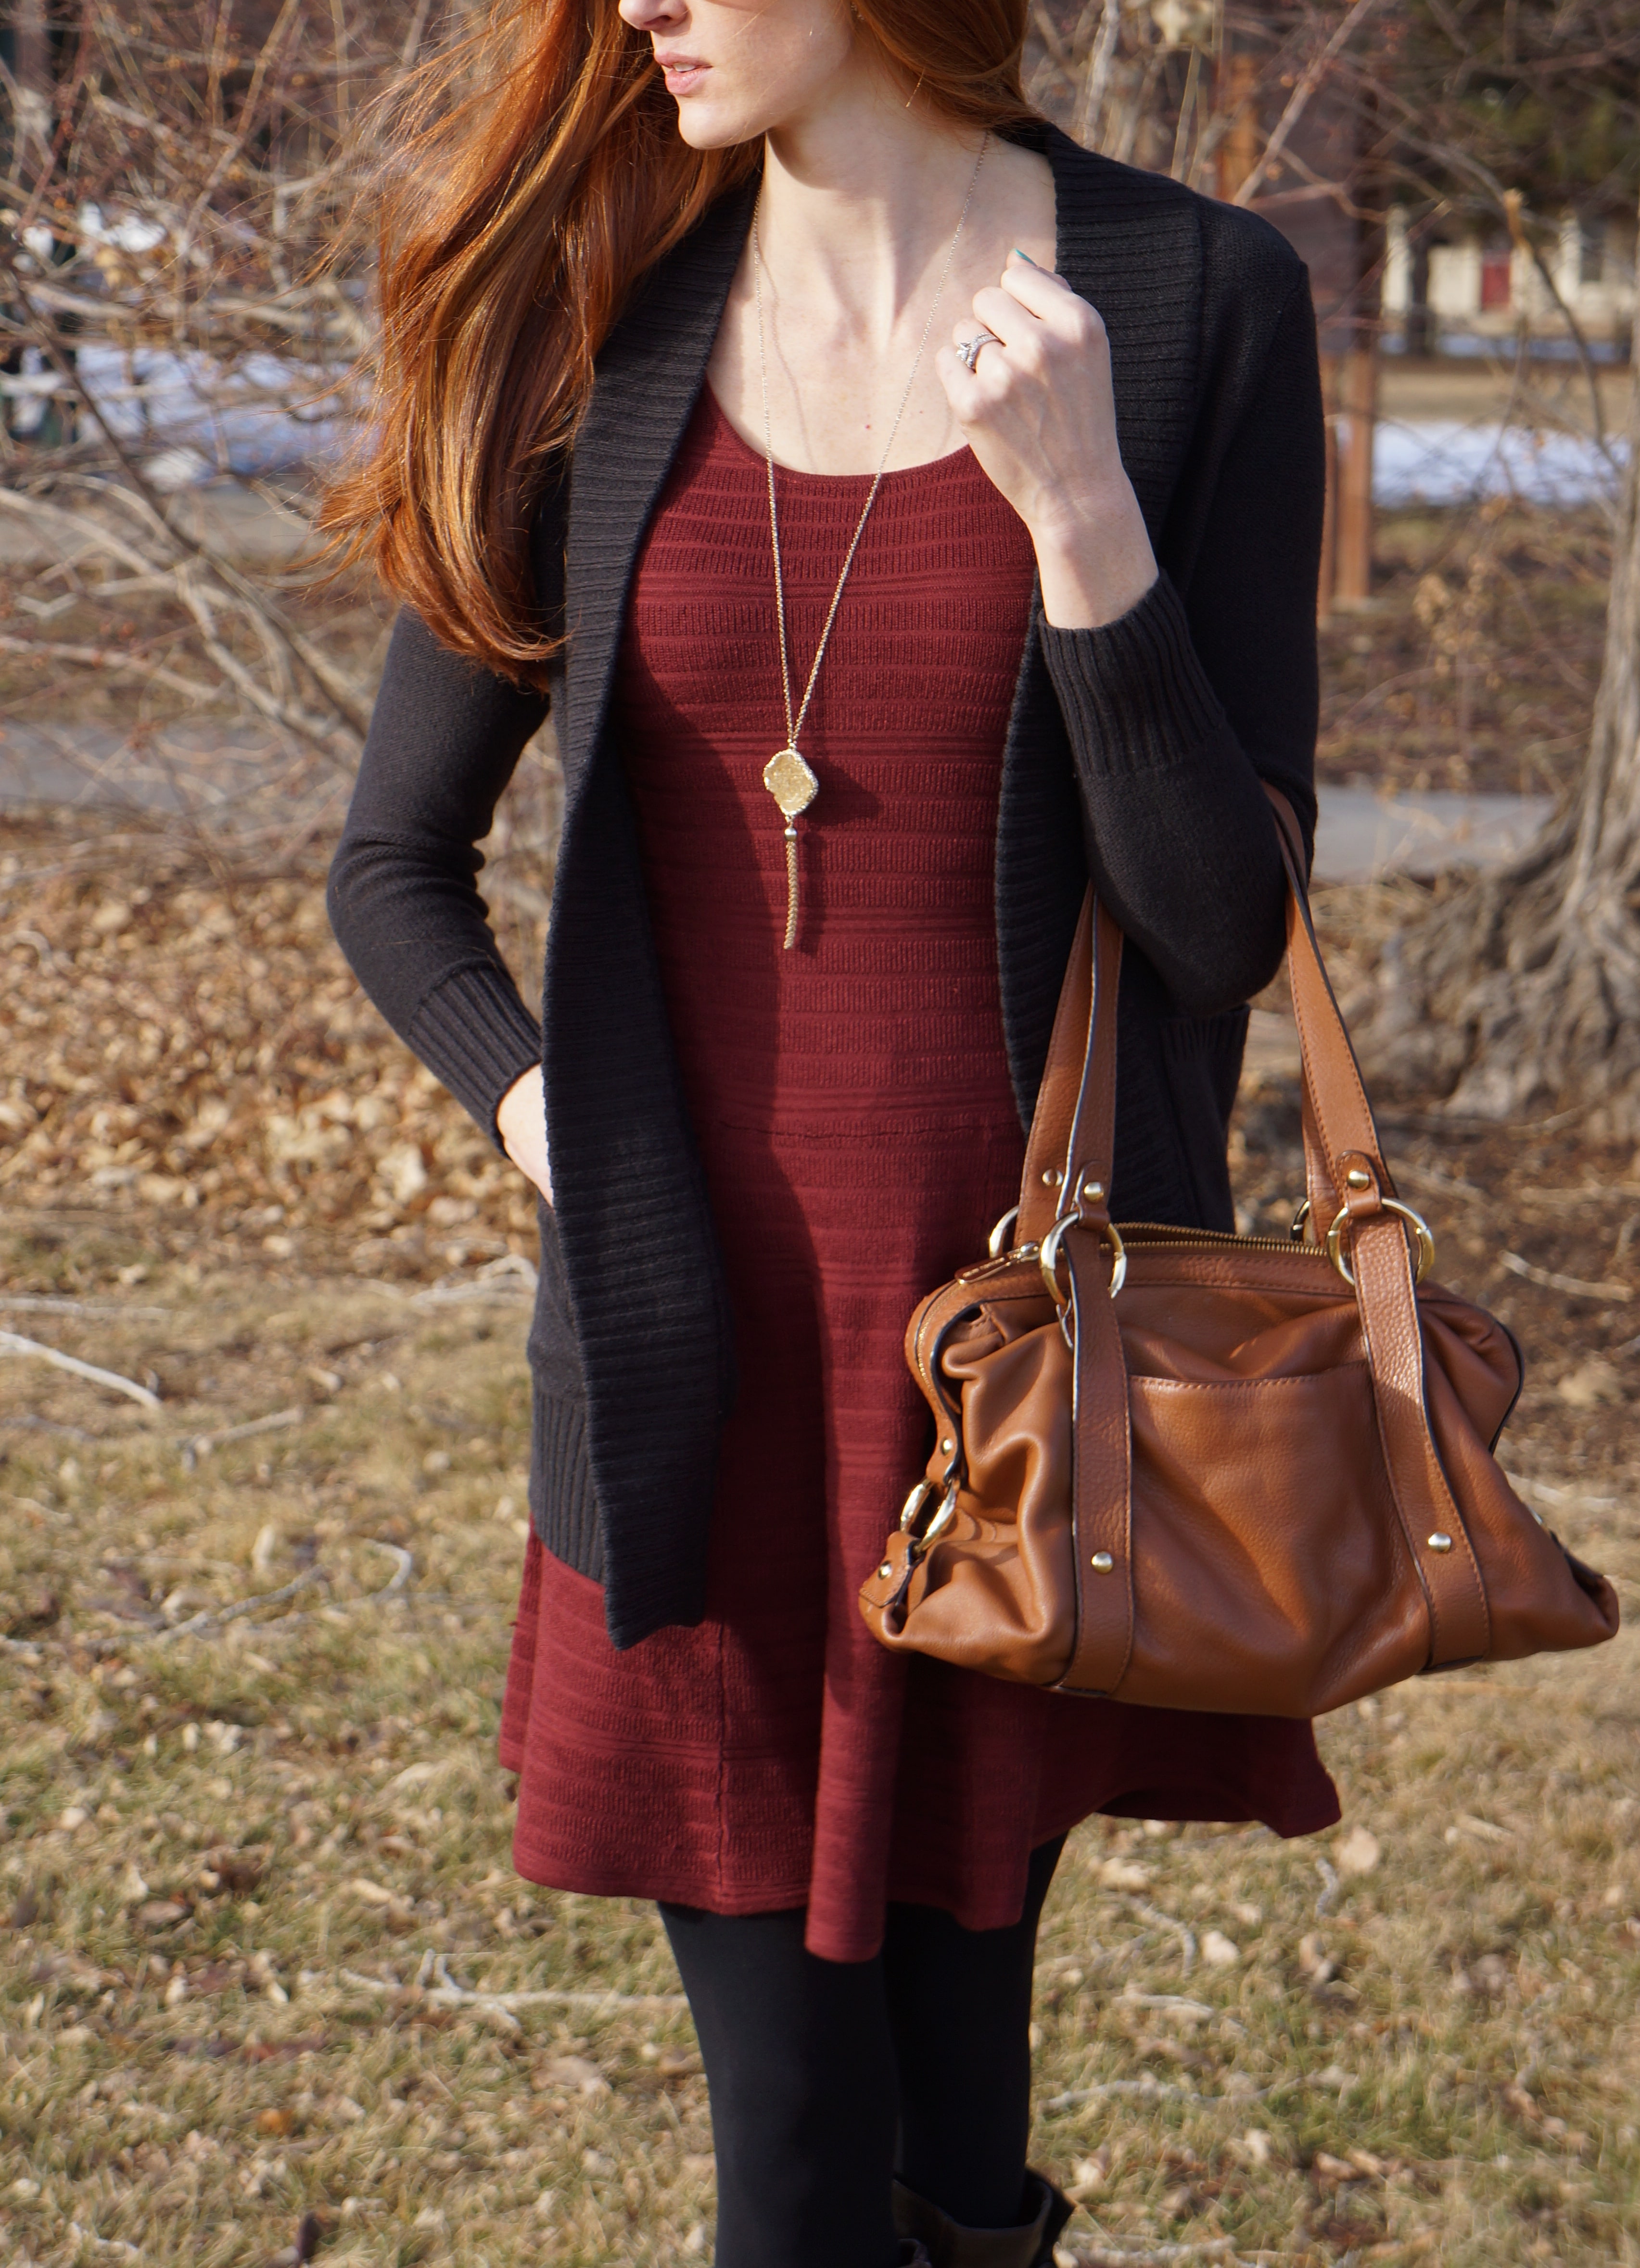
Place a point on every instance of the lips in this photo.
(682, 72)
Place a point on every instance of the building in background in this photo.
(1466, 289)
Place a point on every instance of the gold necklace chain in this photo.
(787, 775)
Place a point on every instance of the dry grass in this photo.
(1475, 664)
(237, 1865)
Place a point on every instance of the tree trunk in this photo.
(1520, 995)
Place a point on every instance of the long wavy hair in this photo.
(533, 172)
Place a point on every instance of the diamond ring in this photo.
(968, 353)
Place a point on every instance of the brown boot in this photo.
(1030, 2245)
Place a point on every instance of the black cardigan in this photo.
(1135, 751)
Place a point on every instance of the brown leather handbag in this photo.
(1201, 1471)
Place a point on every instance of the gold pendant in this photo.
(790, 782)
(793, 787)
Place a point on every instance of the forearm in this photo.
(1094, 561)
(1180, 834)
(402, 895)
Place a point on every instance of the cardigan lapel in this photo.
(633, 1212)
(649, 376)
(1117, 230)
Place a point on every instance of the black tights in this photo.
(829, 2078)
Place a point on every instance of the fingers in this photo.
(961, 384)
(1035, 318)
(1024, 296)
(972, 392)
(1041, 290)
(967, 329)
(1037, 292)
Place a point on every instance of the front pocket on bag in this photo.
(1270, 1576)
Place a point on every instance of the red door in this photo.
(1495, 279)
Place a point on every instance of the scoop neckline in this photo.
(826, 480)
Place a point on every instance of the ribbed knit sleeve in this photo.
(474, 1032)
(444, 740)
(1133, 693)
(1179, 711)
(1181, 836)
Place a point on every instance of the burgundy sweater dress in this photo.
(859, 1136)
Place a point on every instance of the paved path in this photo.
(233, 781)
(1363, 836)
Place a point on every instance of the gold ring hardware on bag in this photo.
(1301, 1221)
(1419, 1226)
(916, 1503)
(1049, 1260)
(996, 1244)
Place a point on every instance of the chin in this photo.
(720, 124)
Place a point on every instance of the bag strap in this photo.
(1319, 1194)
(1063, 1077)
(1345, 1165)
(1351, 1196)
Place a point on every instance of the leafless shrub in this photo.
(183, 294)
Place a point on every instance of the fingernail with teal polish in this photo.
(1025, 256)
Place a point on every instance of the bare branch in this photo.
(1299, 101)
(12, 1342)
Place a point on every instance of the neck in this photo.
(860, 199)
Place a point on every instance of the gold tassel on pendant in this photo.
(793, 787)
(793, 894)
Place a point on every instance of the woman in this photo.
(655, 298)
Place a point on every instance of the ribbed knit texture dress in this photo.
(858, 1134)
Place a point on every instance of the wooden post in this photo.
(1327, 580)
(1238, 152)
(1356, 396)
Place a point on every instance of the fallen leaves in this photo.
(161, 1914)
(215, 1052)
(1592, 1383)
(438, 2061)
(394, 1908)
(235, 1871)
(1358, 1852)
(572, 2072)
(1125, 1874)
(1089, 2176)
(309, 2236)
(37, 1610)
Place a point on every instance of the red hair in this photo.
(536, 173)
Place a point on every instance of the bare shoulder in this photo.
(1020, 197)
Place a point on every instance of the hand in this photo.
(1039, 415)
(522, 1123)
